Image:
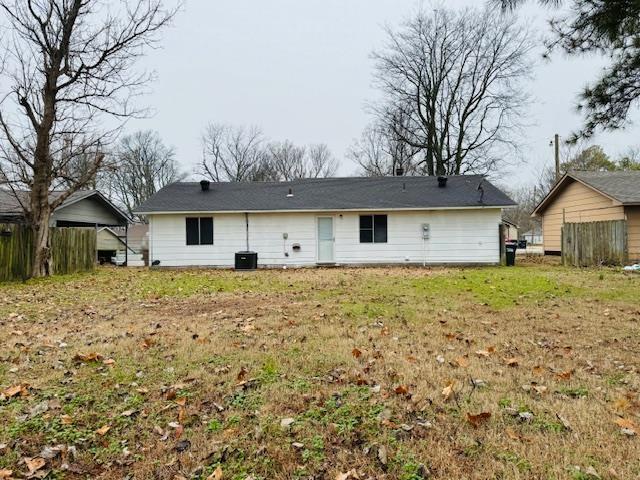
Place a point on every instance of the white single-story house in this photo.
(332, 221)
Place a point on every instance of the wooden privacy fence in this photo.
(72, 250)
(594, 243)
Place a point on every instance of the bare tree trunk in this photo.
(41, 265)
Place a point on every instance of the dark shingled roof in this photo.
(623, 186)
(375, 193)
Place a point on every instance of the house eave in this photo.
(348, 210)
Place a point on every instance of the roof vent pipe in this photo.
(204, 185)
(442, 181)
(290, 194)
(399, 171)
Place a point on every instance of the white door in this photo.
(325, 240)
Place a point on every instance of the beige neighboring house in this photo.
(591, 197)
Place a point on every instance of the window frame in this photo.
(200, 241)
(372, 229)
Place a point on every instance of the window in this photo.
(373, 229)
(200, 231)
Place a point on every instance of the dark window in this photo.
(373, 229)
(200, 231)
(206, 231)
(380, 229)
(193, 231)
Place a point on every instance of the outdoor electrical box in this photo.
(426, 231)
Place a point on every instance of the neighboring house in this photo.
(138, 243)
(590, 197)
(533, 237)
(85, 208)
(510, 229)
(110, 245)
(333, 221)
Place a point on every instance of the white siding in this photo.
(457, 236)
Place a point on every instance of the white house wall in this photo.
(456, 236)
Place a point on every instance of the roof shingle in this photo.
(623, 186)
(379, 193)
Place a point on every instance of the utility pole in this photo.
(557, 152)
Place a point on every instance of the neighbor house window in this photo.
(373, 229)
(200, 231)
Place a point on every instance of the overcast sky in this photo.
(301, 70)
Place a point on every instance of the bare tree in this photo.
(145, 165)
(287, 160)
(382, 152)
(232, 154)
(241, 154)
(290, 162)
(454, 78)
(320, 161)
(68, 64)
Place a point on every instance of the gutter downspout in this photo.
(246, 219)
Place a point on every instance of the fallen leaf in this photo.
(401, 390)
(538, 371)
(66, 419)
(462, 362)
(103, 430)
(565, 375)
(512, 434)
(627, 424)
(356, 352)
(382, 454)
(34, 464)
(109, 362)
(242, 373)
(20, 389)
(88, 357)
(5, 473)
(346, 476)
(476, 420)
(539, 389)
(447, 391)
(511, 362)
(182, 401)
(216, 475)
(286, 423)
(146, 344)
(592, 473)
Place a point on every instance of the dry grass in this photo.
(211, 362)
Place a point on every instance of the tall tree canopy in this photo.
(452, 88)
(66, 64)
(610, 28)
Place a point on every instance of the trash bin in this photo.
(510, 251)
